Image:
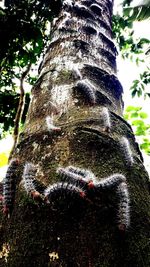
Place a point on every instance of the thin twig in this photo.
(19, 110)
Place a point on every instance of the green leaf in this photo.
(140, 132)
(143, 115)
(134, 92)
(134, 114)
(131, 108)
(138, 123)
(137, 13)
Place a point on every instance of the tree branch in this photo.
(19, 110)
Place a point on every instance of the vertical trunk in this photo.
(79, 93)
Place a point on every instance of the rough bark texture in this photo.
(75, 232)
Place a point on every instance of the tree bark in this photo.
(78, 91)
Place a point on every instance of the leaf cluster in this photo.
(124, 36)
(140, 11)
(24, 35)
(137, 118)
(23, 30)
(133, 49)
(138, 85)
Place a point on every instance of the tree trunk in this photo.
(75, 118)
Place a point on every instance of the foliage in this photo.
(23, 25)
(129, 47)
(138, 85)
(134, 49)
(137, 119)
(139, 11)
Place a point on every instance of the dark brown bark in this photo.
(76, 232)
